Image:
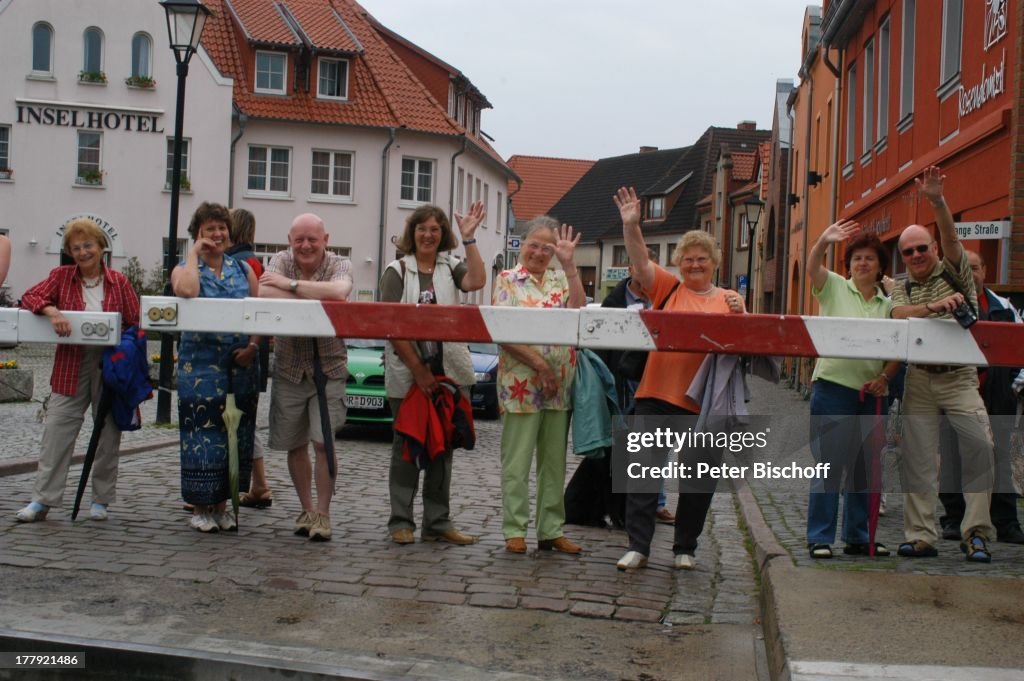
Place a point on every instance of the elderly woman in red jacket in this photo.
(77, 380)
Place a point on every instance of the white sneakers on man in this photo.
(633, 560)
(203, 522)
(225, 520)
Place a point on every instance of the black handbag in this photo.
(633, 362)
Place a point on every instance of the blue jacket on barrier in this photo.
(594, 404)
(126, 377)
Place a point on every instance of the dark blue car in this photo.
(484, 394)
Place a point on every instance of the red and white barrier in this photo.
(918, 341)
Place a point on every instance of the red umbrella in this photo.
(874, 443)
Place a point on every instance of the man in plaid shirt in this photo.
(307, 271)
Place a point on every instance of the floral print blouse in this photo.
(519, 389)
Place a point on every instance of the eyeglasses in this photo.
(702, 260)
(84, 246)
(910, 250)
(534, 246)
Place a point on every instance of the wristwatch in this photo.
(292, 285)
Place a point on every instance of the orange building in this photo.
(927, 83)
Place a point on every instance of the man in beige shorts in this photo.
(307, 271)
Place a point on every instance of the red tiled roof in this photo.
(743, 164)
(545, 181)
(382, 91)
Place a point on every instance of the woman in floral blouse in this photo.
(534, 389)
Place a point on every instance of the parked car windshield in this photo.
(484, 348)
(364, 343)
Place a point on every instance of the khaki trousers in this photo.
(927, 396)
(64, 417)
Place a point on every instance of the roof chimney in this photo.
(644, 150)
(746, 125)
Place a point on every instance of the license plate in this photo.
(363, 402)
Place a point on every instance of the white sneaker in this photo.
(32, 513)
(98, 511)
(685, 561)
(225, 520)
(632, 560)
(203, 522)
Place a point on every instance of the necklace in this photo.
(425, 270)
(92, 283)
(705, 292)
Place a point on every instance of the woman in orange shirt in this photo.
(668, 375)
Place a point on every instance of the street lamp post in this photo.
(185, 22)
(751, 213)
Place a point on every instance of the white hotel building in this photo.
(291, 107)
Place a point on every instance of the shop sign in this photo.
(616, 273)
(991, 85)
(116, 247)
(68, 117)
(995, 22)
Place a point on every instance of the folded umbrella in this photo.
(320, 381)
(102, 410)
(232, 418)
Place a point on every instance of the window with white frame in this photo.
(42, 49)
(270, 70)
(417, 180)
(882, 129)
(499, 212)
(851, 113)
(90, 157)
(333, 80)
(867, 117)
(186, 178)
(469, 192)
(142, 56)
(907, 43)
(5, 146)
(92, 42)
(742, 228)
(460, 191)
(332, 174)
(269, 169)
(952, 34)
(487, 202)
(656, 208)
(476, 189)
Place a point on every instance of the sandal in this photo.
(865, 550)
(917, 549)
(975, 549)
(250, 500)
(819, 551)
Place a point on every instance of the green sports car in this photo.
(365, 398)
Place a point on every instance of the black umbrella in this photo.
(320, 381)
(102, 410)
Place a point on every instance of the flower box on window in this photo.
(90, 177)
(92, 77)
(144, 82)
(6, 173)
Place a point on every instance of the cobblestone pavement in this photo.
(147, 536)
(784, 505)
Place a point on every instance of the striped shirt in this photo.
(936, 287)
(293, 357)
(63, 289)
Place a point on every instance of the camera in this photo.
(964, 315)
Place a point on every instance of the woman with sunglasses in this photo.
(844, 390)
(535, 389)
(428, 273)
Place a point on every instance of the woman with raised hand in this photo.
(535, 389)
(77, 377)
(668, 375)
(428, 273)
(845, 391)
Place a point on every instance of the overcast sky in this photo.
(595, 78)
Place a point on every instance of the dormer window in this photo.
(656, 208)
(270, 70)
(333, 79)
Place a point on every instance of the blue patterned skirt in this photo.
(202, 392)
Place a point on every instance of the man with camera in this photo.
(941, 289)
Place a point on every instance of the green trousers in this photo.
(547, 432)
